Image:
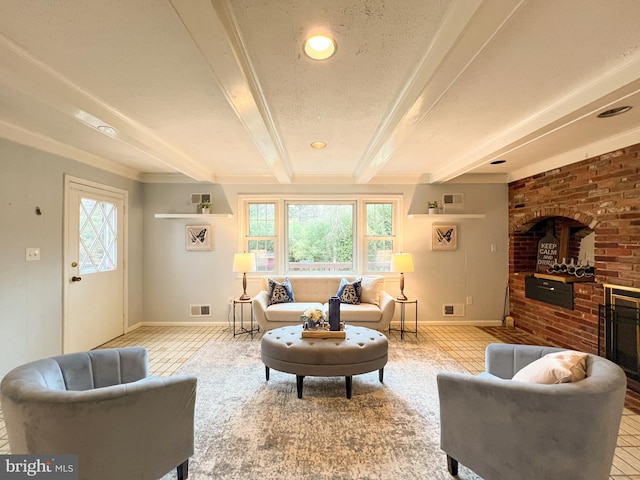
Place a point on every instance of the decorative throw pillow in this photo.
(560, 367)
(371, 289)
(349, 292)
(280, 292)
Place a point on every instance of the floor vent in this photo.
(453, 310)
(200, 310)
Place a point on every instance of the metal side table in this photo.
(242, 329)
(403, 329)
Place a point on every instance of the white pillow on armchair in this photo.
(560, 367)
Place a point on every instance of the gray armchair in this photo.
(504, 429)
(102, 406)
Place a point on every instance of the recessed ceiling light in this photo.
(319, 47)
(107, 130)
(318, 145)
(498, 162)
(614, 111)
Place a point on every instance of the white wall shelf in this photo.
(193, 215)
(446, 216)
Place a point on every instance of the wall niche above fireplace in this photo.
(554, 253)
(575, 244)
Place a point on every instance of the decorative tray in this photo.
(319, 333)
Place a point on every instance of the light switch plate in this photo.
(32, 254)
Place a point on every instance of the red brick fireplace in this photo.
(600, 195)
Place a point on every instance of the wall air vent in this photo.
(452, 202)
(453, 310)
(199, 310)
(197, 198)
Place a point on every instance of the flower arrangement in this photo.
(312, 317)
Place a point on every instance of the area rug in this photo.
(248, 428)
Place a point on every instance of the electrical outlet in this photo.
(469, 300)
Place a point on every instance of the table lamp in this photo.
(403, 263)
(243, 263)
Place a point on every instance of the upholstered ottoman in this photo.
(364, 350)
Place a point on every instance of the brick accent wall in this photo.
(601, 194)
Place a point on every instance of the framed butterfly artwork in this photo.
(198, 237)
(444, 237)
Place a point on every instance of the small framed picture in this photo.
(198, 237)
(444, 237)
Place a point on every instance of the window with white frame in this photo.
(379, 239)
(261, 234)
(356, 235)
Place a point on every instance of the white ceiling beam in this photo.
(213, 29)
(39, 141)
(46, 87)
(434, 75)
(577, 105)
(590, 150)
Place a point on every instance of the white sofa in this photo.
(375, 310)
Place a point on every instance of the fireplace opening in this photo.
(620, 322)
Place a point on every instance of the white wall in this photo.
(164, 279)
(31, 292)
(175, 278)
(473, 270)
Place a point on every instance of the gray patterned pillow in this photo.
(350, 292)
(280, 292)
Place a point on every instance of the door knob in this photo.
(76, 279)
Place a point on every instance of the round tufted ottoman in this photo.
(364, 350)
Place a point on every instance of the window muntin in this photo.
(98, 241)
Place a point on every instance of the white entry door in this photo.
(94, 282)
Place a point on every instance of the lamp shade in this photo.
(402, 262)
(244, 262)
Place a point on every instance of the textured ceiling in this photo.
(418, 91)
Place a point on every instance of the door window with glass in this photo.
(97, 247)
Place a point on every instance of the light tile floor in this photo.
(170, 347)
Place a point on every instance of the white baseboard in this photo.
(475, 323)
(175, 324)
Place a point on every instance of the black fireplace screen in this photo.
(621, 334)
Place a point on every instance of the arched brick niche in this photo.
(569, 227)
(601, 194)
